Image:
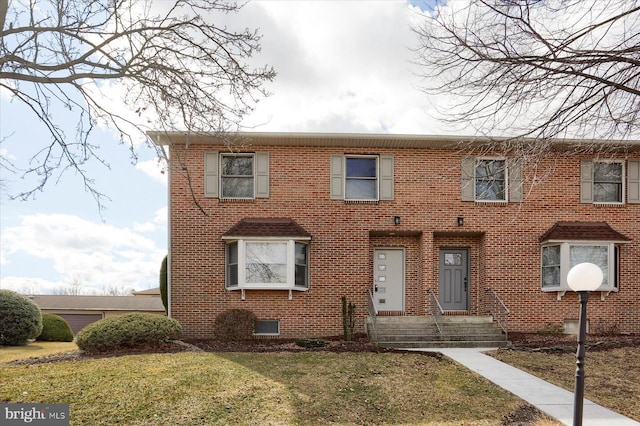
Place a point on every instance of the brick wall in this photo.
(502, 239)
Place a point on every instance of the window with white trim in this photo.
(490, 179)
(559, 258)
(273, 264)
(236, 175)
(361, 177)
(608, 181)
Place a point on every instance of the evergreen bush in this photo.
(134, 330)
(163, 284)
(235, 324)
(20, 319)
(55, 329)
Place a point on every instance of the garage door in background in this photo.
(78, 321)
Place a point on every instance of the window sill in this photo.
(604, 292)
(236, 200)
(267, 287)
(500, 203)
(361, 201)
(243, 289)
(609, 205)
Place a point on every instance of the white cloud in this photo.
(26, 285)
(342, 67)
(156, 169)
(159, 221)
(93, 255)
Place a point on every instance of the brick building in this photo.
(286, 224)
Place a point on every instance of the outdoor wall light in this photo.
(396, 220)
(460, 221)
(582, 278)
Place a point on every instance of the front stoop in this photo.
(405, 332)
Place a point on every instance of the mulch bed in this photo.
(533, 342)
(530, 342)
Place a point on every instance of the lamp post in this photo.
(582, 278)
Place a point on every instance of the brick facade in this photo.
(502, 238)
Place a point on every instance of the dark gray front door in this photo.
(454, 279)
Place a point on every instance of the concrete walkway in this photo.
(552, 400)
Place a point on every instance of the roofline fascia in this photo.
(342, 139)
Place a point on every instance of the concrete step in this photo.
(455, 331)
(445, 344)
(436, 337)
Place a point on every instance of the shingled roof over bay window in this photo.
(578, 231)
(267, 227)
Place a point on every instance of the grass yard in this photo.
(612, 377)
(34, 350)
(308, 388)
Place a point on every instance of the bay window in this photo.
(273, 264)
(559, 258)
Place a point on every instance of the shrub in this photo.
(163, 284)
(551, 329)
(311, 343)
(348, 319)
(235, 324)
(55, 329)
(134, 330)
(21, 319)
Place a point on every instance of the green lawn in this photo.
(308, 388)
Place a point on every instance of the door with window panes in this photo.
(454, 279)
(388, 277)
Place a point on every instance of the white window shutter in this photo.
(633, 182)
(586, 181)
(514, 168)
(337, 177)
(262, 174)
(211, 175)
(386, 177)
(468, 171)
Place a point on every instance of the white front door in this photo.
(388, 279)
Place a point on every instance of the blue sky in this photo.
(342, 67)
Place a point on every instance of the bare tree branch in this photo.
(175, 68)
(536, 69)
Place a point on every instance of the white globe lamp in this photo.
(585, 277)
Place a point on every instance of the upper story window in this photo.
(236, 176)
(610, 181)
(602, 181)
(361, 177)
(491, 180)
(487, 179)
